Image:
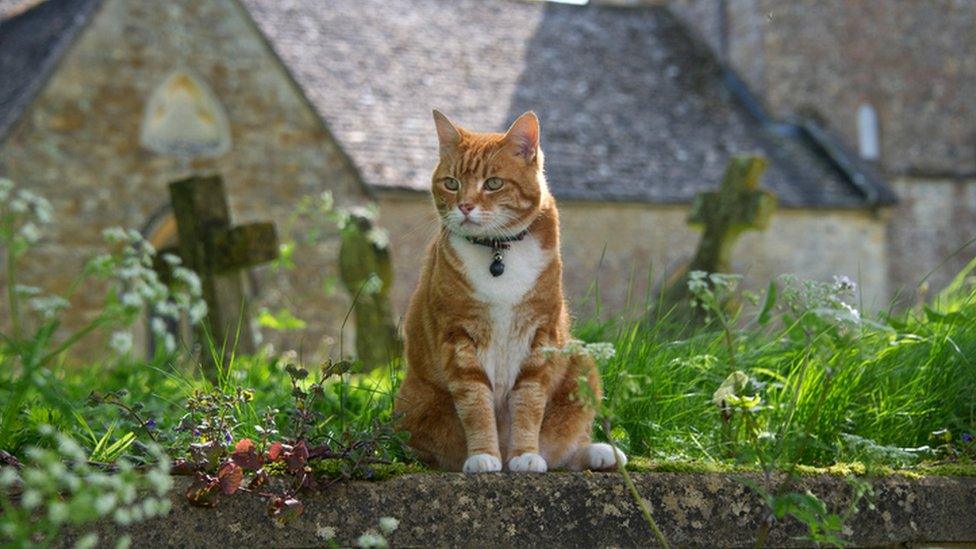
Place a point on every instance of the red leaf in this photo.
(274, 452)
(184, 467)
(246, 456)
(244, 445)
(203, 491)
(206, 452)
(297, 457)
(231, 476)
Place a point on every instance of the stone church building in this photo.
(103, 102)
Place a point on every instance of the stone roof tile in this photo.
(32, 37)
(631, 107)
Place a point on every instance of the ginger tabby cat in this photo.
(483, 386)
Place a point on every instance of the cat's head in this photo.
(488, 184)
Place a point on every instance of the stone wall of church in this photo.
(930, 233)
(618, 246)
(79, 145)
(913, 63)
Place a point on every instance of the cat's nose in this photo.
(466, 208)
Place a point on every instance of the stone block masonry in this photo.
(566, 510)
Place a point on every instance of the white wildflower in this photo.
(48, 306)
(19, 205)
(726, 281)
(166, 308)
(70, 449)
(172, 259)
(105, 503)
(326, 201)
(602, 351)
(88, 541)
(160, 481)
(122, 516)
(30, 499)
(26, 291)
(697, 281)
(114, 234)
(6, 186)
(30, 232)
(371, 540)
(8, 475)
(373, 284)
(57, 512)
(121, 342)
(324, 533)
(188, 277)
(42, 210)
(844, 284)
(197, 311)
(158, 326)
(169, 343)
(131, 300)
(388, 525)
(378, 237)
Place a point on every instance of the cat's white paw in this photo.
(482, 463)
(527, 463)
(600, 457)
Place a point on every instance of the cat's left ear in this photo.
(523, 137)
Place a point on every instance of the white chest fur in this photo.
(510, 335)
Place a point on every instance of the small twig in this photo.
(129, 410)
(6, 458)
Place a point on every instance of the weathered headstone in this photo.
(367, 273)
(218, 252)
(738, 206)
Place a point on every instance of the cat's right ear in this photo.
(448, 134)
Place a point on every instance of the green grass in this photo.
(889, 383)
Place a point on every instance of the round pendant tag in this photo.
(497, 268)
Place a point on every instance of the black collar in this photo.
(497, 242)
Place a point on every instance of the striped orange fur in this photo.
(483, 390)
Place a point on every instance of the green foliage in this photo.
(805, 380)
(57, 487)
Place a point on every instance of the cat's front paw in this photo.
(482, 463)
(527, 463)
(600, 457)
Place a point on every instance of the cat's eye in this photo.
(494, 183)
(451, 184)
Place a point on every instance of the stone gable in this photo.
(79, 145)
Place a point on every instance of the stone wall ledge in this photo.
(568, 510)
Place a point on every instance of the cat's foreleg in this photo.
(527, 403)
(470, 389)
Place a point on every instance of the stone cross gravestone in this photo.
(218, 252)
(367, 274)
(737, 206)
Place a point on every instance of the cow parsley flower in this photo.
(601, 351)
(48, 306)
(388, 525)
(121, 342)
(373, 284)
(378, 237)
(30, 233)
(325, 533)
(371, 540)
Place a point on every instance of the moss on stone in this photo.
(332, 468)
